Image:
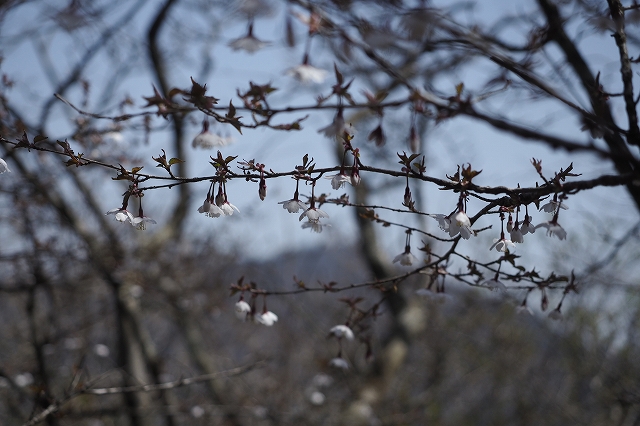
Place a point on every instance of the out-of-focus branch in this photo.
(617, 14)
(173, 229)
(623, 158)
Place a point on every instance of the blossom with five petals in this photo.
(405, 258)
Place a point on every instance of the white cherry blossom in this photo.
(228, 208)
(293, 205)
(339, 362)
(553, 228)
(405, 258)
(342, 331)
(121, 215)
(315, 225)
(248, 43)
(502, 245)
(338, 180)
(267, 318)
(4, 167)
(313, 214)
(140, 222)
(305, 73)
(242, 309)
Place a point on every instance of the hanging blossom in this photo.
(340, 363)
(4, 167)
(495, 284)
(242, 309)
(223, 202)
(315, 226)
(208, 140)
(294, 205)
(141, 221)
(553, 227)
(406, 258)
(305, 73)
(267, 318)
(121, 215)
(341, 331)
(516, 235)
(457, 222)
(502, 244)
(313, 214)
(553, 205)
(526, 227)
(249, 43)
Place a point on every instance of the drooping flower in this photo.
(460, 224)
(338, 180)
(495, 284)
(293, 205)
(336, 128)
(405, 258)
(552, 206)
(502, 245)
(341, 331)
(4, 167)
(121, 215)
(315, 225)
(305, 73)
(206, 139)
(556, 314)
(554, 228)
(140, 222)
(209, 209)
(339, 362)
(443, 221)
(228, 208)
(313, 214)
(242, 309)
(249, 43)
(267, 318)
(526, 227)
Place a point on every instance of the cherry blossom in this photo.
(313, 214)
(339, 362)
(341, 331)
(502, 245)
(552, 206)
(267, 318)
(526, 227)
(553, 228)
(140, 222)
(293, 205)
(228, 208)
(248, 43)
(121, 215)
(495, 285)
(315, 225)
(338, 180)
(405, 258)
(4, 167)
(305, 73)
(208, 140)
(209, 209)
(242, 309)
(556, 314)
(460, 224)
(443, 221)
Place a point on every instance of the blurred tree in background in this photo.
(102, 106)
